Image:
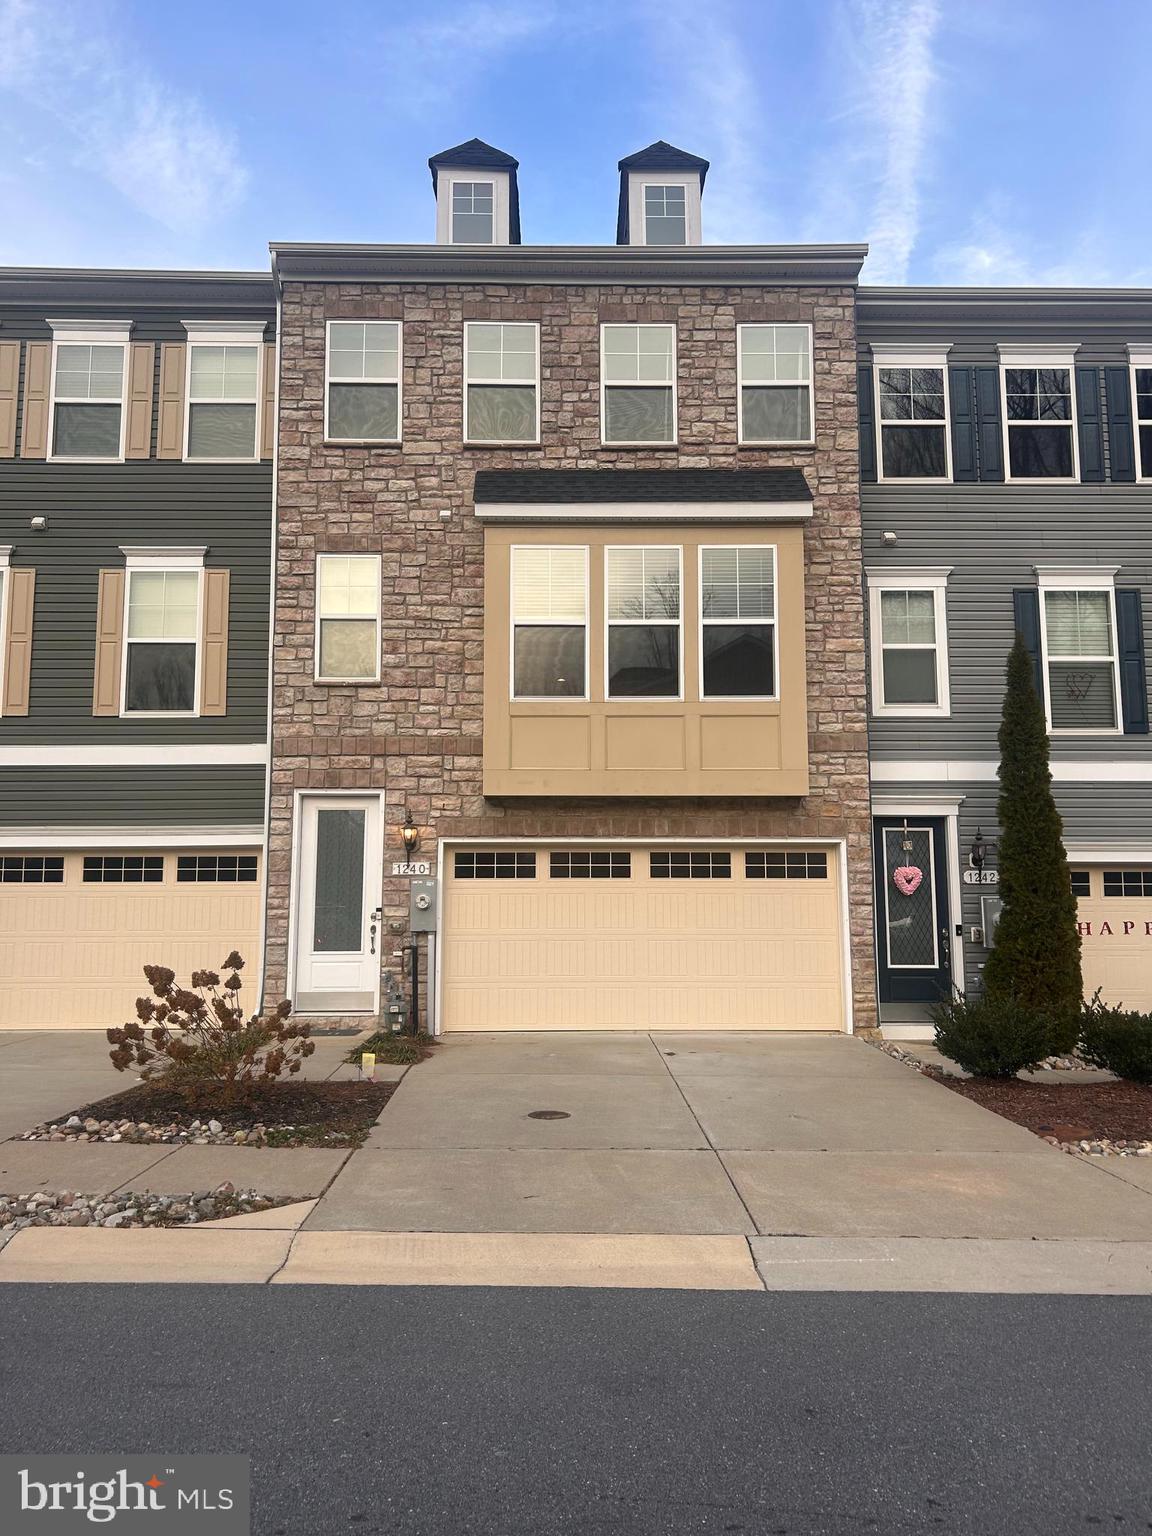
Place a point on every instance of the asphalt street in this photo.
(513, 1411)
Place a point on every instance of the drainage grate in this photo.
(548, 1114)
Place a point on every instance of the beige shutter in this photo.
(214, 638)
(9, 384)
(18, 605)
(109, 643)
(141, 365)
(268, 405)
(37, 367)
(170, 434)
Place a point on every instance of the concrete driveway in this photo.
(771, 1135)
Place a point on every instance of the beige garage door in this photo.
(77, 928)
(602, 937)
(1115, 911)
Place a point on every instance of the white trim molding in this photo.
(132, 837)
(224, 333)
(137, 755)
(90, 330)
(643, 511)
(956, 771)
(1107, 853)
(164, 557)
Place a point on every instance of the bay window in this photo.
(738, 621)
(362, 401)
(774, 366)
(642, 610)
(638, 384)
(549, 603)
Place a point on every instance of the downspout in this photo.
(272, 571)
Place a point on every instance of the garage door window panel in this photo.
(549, 621)
(595, 865)
(495, 866)
(690, 865)
(1081, 882)
(638, 384)
(785, 866)
(161, 635)
(1128, 882)
(1080, 661)
(775, 383)
(643, 609)
(124, 869)
(738, 622)
(31, 869)
(347, 618)
(216, 868)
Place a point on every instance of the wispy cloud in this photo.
(158, 146)
(429, 63)
(993, 252)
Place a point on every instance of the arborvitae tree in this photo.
(1035, 957)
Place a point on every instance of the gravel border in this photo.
(200, 1133)
(43, 1208)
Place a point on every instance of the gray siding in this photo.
(150, 797)
(992, 536)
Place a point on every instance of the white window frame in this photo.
(330, 378)
(220, 334)
(668, 442)
(663, 184)
(1092, 578)
(513, 621)
(494, 442)
(772, 442)
(1139, 357)
(904, 357)
(738, 698)
(5, 589)
(637, 213)
(931, 578)
(677, 623)
(96, 333)
(1039, 357)
(176, 558)
(472, 180)
(345, 554)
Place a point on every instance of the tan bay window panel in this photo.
(34, 427)
(668, 746)
(9, 385)
(214, 667)
(138, 430)
(18, 605)
(268, 403)
(170, 431)
(109, 643)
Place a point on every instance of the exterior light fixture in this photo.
(979, 850)
(410, 835)
(888, 538)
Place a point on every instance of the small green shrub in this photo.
(201, 1045)
(395, 1050)
(995, 1038)
(1118, 1039)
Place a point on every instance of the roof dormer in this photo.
(660, 190)
(477, 200)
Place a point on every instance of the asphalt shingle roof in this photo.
(638, 485)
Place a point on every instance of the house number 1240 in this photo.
(414, 867)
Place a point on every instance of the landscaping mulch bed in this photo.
(307, 1114)
(1115, 1112)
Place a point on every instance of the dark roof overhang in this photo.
(624, 495)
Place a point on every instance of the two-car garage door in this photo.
(643, 937)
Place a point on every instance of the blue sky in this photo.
(971, 141)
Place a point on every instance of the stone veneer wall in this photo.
(417, 734)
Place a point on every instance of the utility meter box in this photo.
(423, 906)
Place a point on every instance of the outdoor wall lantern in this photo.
(410, 835)
(979, 850)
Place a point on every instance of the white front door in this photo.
(338, 929)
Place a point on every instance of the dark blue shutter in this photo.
(1090, 424)
(1121, 443)
(1133, 682)
(1026, 608)
(988, 429)
(963, 424)
(867, 423)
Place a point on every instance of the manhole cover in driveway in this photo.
(548, 1114)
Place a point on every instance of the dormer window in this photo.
(665, 215)
(473, 213)
(477, 202)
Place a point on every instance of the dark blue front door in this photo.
(913, 938)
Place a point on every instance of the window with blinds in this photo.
(501, 383)
(363, 366)
(643, 617)
(638, 383)
(347, 618)
(775, 383)
(88, 400)
(549, 621)
(738, 621)
(1080, 660)
(223, 400)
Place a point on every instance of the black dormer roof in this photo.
(660, 156)
(474, 154)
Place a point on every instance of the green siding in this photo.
(146, 797)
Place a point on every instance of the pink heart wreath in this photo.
(907, 878)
